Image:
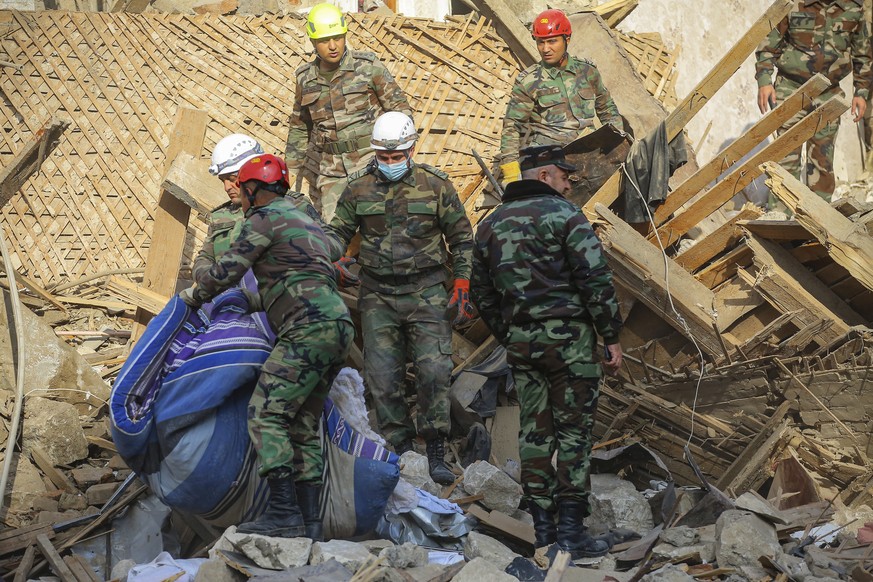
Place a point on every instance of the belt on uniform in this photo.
(404, 279)
(347, 145)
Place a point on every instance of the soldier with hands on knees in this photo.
(541, 284)
(338, 97)
(411, 223)
(830, 37)
(554, 101)
(290, 257)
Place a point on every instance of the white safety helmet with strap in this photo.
(393, 131)
(232, 152)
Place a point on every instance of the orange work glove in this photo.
(344, 277)
(461, 298)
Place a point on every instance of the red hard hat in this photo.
(267, 168)
(551, 23)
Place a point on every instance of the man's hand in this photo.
(345, 278)
(859, 107)
(766, 98)
(187, 295)
(461, 298)
(613, 363)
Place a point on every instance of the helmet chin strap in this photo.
(251, 197)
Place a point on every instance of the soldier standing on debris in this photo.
(822, 36)
(554, 101)
(541, 284)
(337, 99)
(410, 219)
(289, 255)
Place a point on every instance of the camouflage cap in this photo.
(547, 155)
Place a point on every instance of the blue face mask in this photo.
(394, 172)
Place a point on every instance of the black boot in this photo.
(436, 455)
(573, 536)
(404, 447)
(544, 525)
(310, 506)
(282, 519)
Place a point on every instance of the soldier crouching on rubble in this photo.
(541, 284)
(411, 220)
(289, 255)
(554, 101)
(338, 97)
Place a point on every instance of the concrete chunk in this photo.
(500, 491)
(217, 571)
(408, 555)
(741, 538)
(350, 554)
(478, 545)
(615, 503)
(53, 427)
(416, 472)
(272, 553)
(481, 570)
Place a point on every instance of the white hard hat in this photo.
(232, 152)
(393, 131)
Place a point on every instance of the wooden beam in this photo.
(741, 146)
(25, 565)
(639, 267)
(137, 295)
(57, 478)
(848, 245)
(510, 29)
(189, 180)
(171, 217)
(56, 563)
(726, 67)
(789, 287)
(742, 462)
(717, 241)
(777, 230)
(29, 159)
(703, 92)
(743, 174)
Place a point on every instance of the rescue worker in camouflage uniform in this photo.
(821, 36)
(338, 97)
(410, 220)
(541, 284)
(554, 101)
(289, 255)
(228, 157)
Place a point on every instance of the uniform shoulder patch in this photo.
(435, 171)
(222, 206)
(588, 61)
(302, 69)
(527, 72)
(366, 55)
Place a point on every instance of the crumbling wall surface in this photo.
(51, 366)
(703, 37)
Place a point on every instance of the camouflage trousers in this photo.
(819, 148)
(558, 385)
(325, 194)
(400, 327)
(285, 408)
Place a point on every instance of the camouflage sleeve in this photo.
(862, 54)
(485, 296)
(299, 128)
(604, 106)
(389, 93)
(768, 53)
(457, 231)
(206, 257)
(254, 238)
(518, 112)
(592, 277)
(342, 227)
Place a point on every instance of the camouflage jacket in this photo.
(555, 105)
(224, 226)
(536, 258)
(331, 122)
(406, 227)
(832, 38)
(288, 253)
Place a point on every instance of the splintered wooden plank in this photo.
(140, 296)
(56, 563)
(639, 267)
(726, 67)
(752, 456)
(717, 241)
(849, 246)
(743, 174)
(189, 180)
(777, 230)
(23, 569)
(55, 476)
(741, 146)
(12, 540)
(29, 158)
(171, 216)
(789, 287)
(510, 28)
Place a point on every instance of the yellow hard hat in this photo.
(325, 20)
